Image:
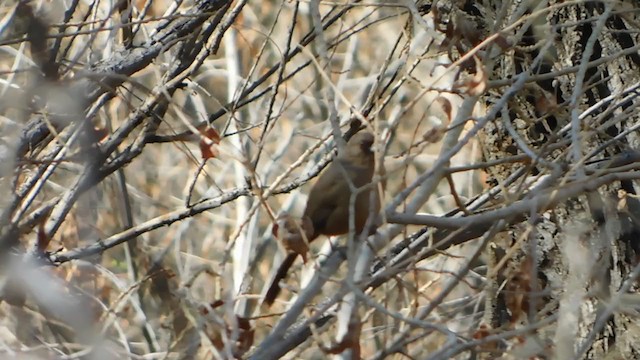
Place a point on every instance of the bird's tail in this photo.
(274, 288)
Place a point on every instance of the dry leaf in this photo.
(475, 85)
(209, 139)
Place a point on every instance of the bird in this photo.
(293, 233)
(328, 206)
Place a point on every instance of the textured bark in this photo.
(601, 222)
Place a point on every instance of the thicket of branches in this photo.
(147, 146)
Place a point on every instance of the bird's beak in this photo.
(375, 147)
(368, 147)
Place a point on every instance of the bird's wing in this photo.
(326, 195)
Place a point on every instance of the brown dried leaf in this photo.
(210, 137)
(207, 151)
(446, 107)
(43, 239)
(351, 339)
(434, 134)
(211, 134)
(475, 85)
(484, 331)
(245, 337)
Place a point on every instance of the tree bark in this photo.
(572, 111)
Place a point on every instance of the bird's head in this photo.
(360, 147)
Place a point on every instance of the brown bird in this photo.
(328, 204)
(293, 233)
